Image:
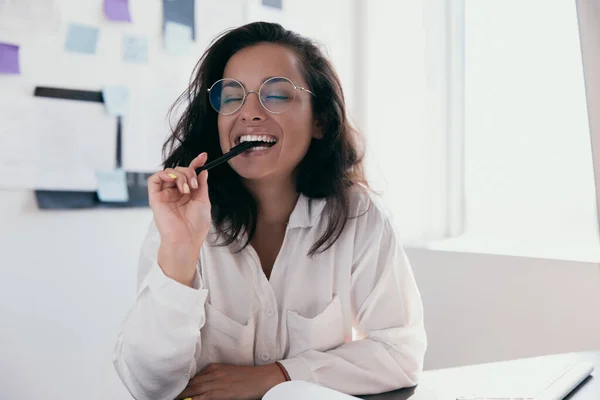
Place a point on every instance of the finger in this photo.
(194, 388)
(199, 161)
(160, 180)
(190, 174)
(181, 179)
(202, 192)
(216, 394)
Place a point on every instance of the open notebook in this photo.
(299, 390)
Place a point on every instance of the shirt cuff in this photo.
(297, 369)
(172, 293)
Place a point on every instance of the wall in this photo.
(484, 307)
(68, 278)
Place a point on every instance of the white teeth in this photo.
(255, 138)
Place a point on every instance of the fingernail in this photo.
(186, 188)
(195, 183)
(173, 176)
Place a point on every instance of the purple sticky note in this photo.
(117, 10)
(9, 59)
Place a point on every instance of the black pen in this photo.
(237, 150)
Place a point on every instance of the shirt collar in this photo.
(306, 213)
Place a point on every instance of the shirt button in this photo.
(270, 312)
(265, 357)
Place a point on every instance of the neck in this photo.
(275, 200)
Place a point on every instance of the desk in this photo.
(447, 384)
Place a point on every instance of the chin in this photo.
(253, 174)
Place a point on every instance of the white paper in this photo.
(29, 16)
(299, 390)
(55, 144)
(178, 38)
(147, 126)
(216, 16)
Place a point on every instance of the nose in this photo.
(252, 109)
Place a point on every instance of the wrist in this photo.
(273, 375)
(178, 262)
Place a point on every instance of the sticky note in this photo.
(116, 100)
(9, 59)
(272, 3)
(135, 49)
(117, 10)
(82, 39)
(180, 11)
(178, 38)
(112, 186)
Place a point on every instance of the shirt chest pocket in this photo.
(323, 332)
(225, 340)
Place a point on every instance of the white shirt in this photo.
(303, 316)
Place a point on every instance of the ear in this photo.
(317, 131)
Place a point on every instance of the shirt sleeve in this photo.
(155, 351)
(387, 316)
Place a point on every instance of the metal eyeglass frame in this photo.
(247, 92)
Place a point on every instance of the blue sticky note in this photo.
(116, 100)
(135, 49)
(180, 11)
(178, 38)
(272, 3)
(112, 186)
(82, 39)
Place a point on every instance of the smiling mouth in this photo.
(265, 141)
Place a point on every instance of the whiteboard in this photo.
(59, 144)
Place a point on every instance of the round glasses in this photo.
(276, 95)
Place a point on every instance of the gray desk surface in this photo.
(447, 384)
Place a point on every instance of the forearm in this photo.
(372, 365)
(178, 262)
(155, 351)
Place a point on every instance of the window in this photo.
(412, 118)
(529, 179)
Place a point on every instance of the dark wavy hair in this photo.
(331, 166)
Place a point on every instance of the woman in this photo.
(260, 273)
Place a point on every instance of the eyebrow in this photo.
(230, 84)
(271, 77)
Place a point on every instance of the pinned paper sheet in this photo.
(117, 10)
(9, 59)
(82, 39)
(135, 49)
(54, 144)
(178, 38)
(29, 17)
(180, 11)
(112, 186)
(116, 100)
(272, 3)
(217, 16)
